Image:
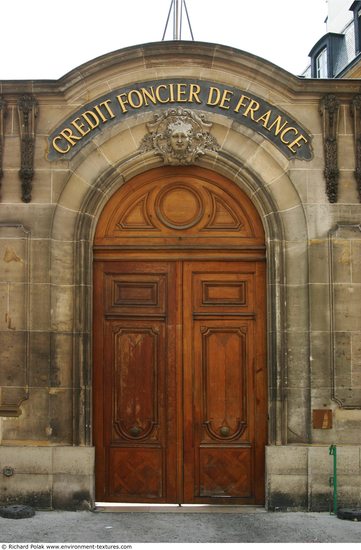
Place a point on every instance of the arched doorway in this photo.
(180, 398)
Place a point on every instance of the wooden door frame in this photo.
(248, 253)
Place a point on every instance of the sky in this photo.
(45, 39)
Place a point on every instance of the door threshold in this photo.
(116, 507)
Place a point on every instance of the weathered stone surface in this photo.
(287, 492)
(298, 477)
(48, 477)
(12, 358)
(78, 461)
(24, 489)
(73, 492)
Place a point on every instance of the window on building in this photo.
(358, 32)
(356, 9)
(321, 64)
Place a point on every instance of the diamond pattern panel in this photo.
(136, 473)
(225, 474)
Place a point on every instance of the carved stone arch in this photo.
(81, 224)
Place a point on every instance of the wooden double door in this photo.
(181, 396)
(179, 388)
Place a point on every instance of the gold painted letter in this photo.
(69, 136)
(122, 102)
(297, 142)
(252, 107)
(194, 91)
(211, 100)
(157, 90)
(91, 119)
(57, 148)
(105, 103)
(80, 127)
(226, 98)
(241, 103)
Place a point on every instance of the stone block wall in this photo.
(300, 477)
(47, 477)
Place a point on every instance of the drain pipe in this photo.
(333, 478)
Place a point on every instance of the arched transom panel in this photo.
(180, 207)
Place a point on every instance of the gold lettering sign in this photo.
(275, 125)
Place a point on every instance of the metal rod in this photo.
(177, 7)
(176, 26)
(332, 451)
(189, 22)
(166, 25)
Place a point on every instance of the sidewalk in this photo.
(180, 525)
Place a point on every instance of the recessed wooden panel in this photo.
(223, 216)
(136, 474)
(224, 293)
(136, 365)
(135, 293)
(135, 217)
(225, 475)
(179, 206)
(224, 382)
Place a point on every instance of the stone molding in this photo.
(356, 114)
(3, 108)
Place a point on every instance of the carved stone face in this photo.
(180, 136)
(179, 140)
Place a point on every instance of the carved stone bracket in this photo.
(27, 111)
(2, 132)
(180, 136)
(356, 113)
(330, 111)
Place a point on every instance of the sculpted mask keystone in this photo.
(180, 136)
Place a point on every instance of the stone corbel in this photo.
(329, 108)
(356, 114)
(2, 132)
(27, 112)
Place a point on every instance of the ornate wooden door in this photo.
(179, 343)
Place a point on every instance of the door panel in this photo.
(137, 387)
(220, 359)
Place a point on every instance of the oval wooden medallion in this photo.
(179, 206)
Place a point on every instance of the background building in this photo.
(337, 53)
(180, 282)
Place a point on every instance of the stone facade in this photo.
(313, 261)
